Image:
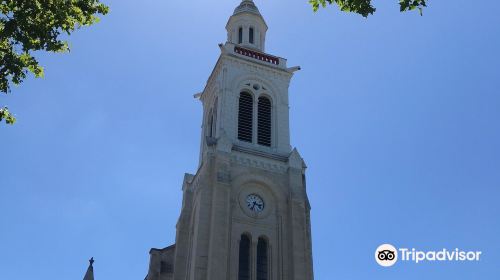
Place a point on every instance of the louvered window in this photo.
(240, 35)
(251, 35)
(245, 117)
(264, 122)
(262, 260)
(244, 259)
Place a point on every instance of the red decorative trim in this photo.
(257, 55)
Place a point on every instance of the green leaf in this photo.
(5, 114)
(364, 7)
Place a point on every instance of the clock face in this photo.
(255, 203)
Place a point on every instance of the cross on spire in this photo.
(90, 271)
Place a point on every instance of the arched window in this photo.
(214, 118)
(244, 259)
(240, 35)
(250, 35)
(210, 127)
(264, 122)
(262, 260)
(245, 117)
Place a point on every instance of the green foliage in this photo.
(5, 114)
(36, 25)
(408, 5)
(27, 26)
(364, 7)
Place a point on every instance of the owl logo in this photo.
(386, 255)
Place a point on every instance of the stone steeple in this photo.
(90, 271)
(245, 212)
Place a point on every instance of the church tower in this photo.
(245, 213)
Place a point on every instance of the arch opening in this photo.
(251, 35)
(244, 258)
(262, 260)
(240, 35)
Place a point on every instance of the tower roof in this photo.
(247, 6)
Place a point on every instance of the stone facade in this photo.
(215, 212)
(161, 263)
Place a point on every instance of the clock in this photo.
(255, 203)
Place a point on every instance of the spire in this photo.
(90, 271)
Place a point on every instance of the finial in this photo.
(90, 271)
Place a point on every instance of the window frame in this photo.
(240, 35)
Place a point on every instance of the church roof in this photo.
(247, 6)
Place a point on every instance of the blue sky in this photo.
(397, 117)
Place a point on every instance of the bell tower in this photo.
(245, 212)
(247, 26)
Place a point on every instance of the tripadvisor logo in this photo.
(387, 255)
